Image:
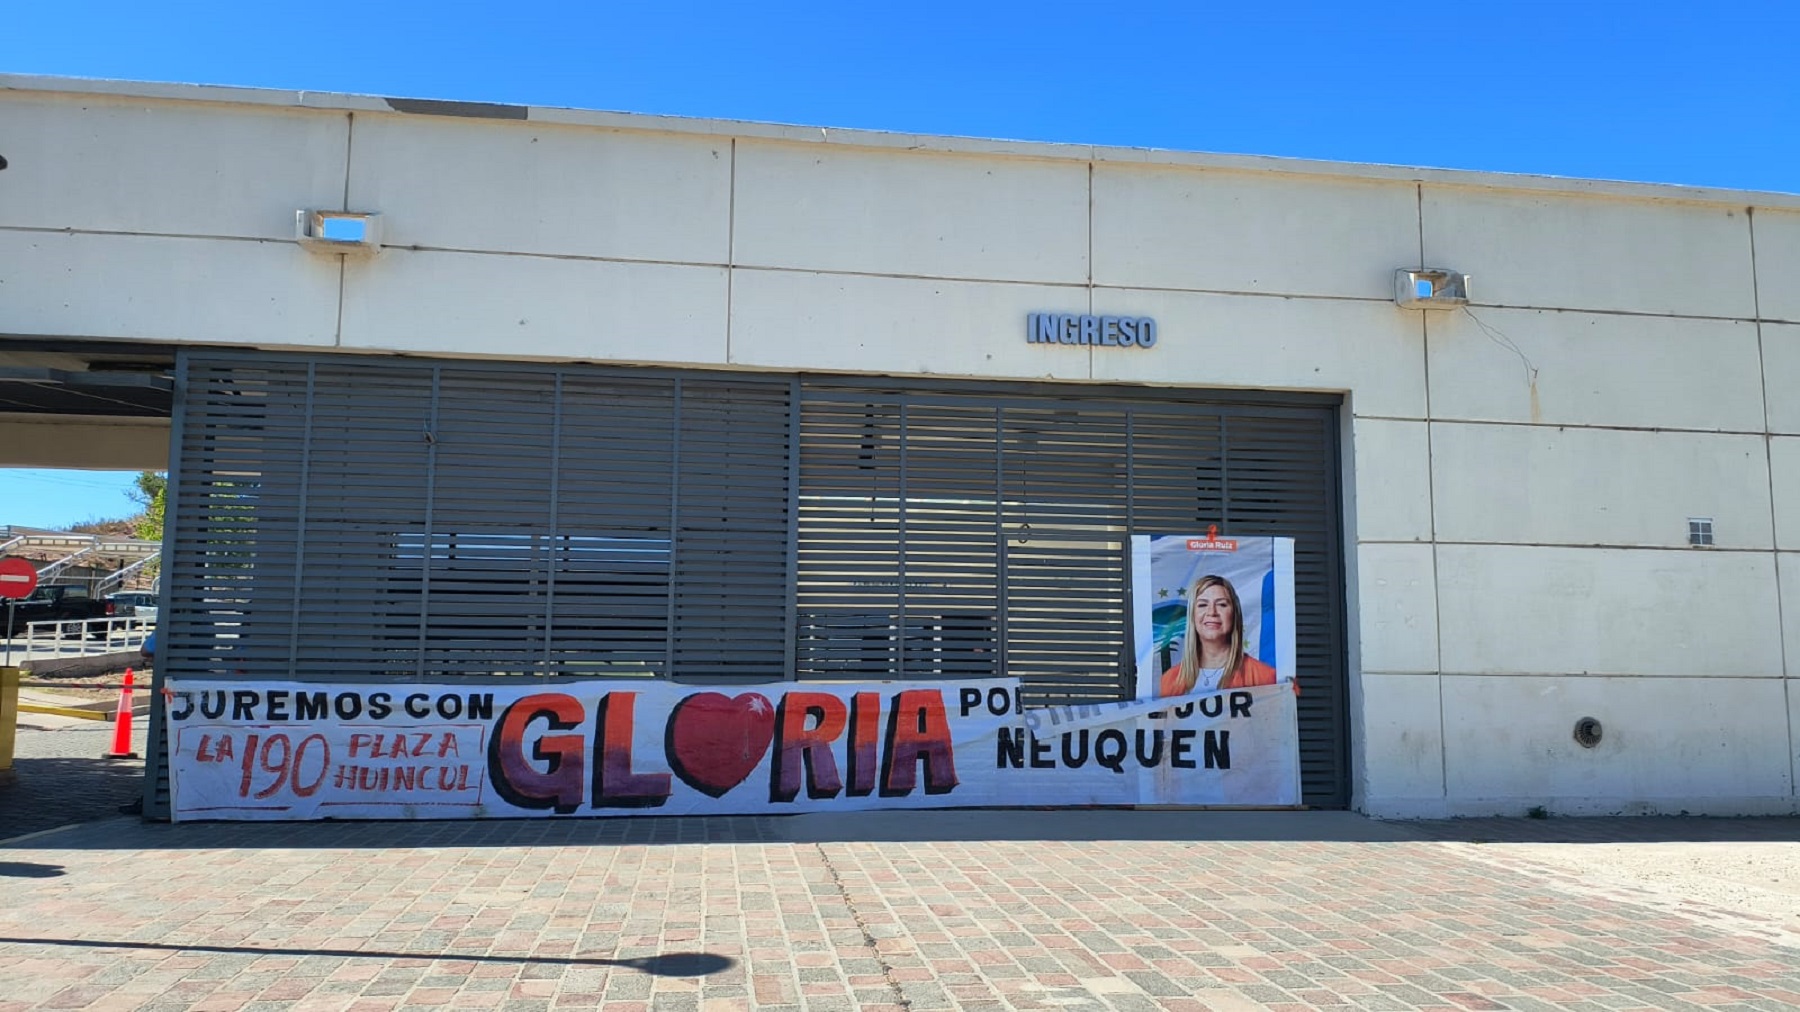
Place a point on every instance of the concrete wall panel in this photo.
(1793, 700)
(1531, 610)
(1778, 264)
(153, 288)
(1403, 740)
(1788, 565)
(1565, 251)
(100, 444)
(535, 307)
(816, 208)
(1544, 485)
(1700, 745)
(1594, 369)
(790, 320)
(1391, 480)
(114, 165)
(1784, 477)
(1781, 363)
(1369, 348)
(1398, 608)
(1238, 232)
(532, 188)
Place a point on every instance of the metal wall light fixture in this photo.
(1430, 288)
(353, 233)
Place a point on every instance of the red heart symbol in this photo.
(715, 740)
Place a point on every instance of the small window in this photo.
(1700, 532)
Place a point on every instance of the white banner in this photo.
(400, 751)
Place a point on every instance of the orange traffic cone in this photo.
(121, 746)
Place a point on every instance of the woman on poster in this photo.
(1213, 656)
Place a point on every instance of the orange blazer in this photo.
(1250, 672)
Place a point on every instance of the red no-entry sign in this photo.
(18, 578)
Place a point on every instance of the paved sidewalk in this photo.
(976, 910)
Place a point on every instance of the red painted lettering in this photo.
(806, 725)
(515, 778)
(615, 785)
(918, 731)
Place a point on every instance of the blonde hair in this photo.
(1188, 674)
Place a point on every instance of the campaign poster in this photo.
(1215, 614)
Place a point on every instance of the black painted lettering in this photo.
(310, 705)
(1152, 757)
(1181, 745)
(967, 699)
(1072, 758)
(1216, 747)
(1110, 749)
(1011, 748)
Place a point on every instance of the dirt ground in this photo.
(103, 687)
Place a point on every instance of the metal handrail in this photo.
(65, 562)
(92, 544)
(118, 579)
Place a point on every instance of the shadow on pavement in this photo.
(29, 869)
(667, 964)
(56, 791)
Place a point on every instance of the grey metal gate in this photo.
(958, 530)
(336, 517)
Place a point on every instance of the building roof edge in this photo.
(864, 138)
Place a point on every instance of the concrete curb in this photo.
(39, 701)
(82, 667)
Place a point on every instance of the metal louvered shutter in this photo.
(361, 518)
(347, 518)
(955, 530)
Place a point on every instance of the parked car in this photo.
(60, 603)
(130, 603)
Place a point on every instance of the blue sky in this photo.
(60, 499)
(1702, 94)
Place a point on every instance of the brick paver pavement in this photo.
(63, 775)
(973, 910)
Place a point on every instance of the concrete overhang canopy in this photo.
(89, 386)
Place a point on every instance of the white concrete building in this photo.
(1514, 490)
